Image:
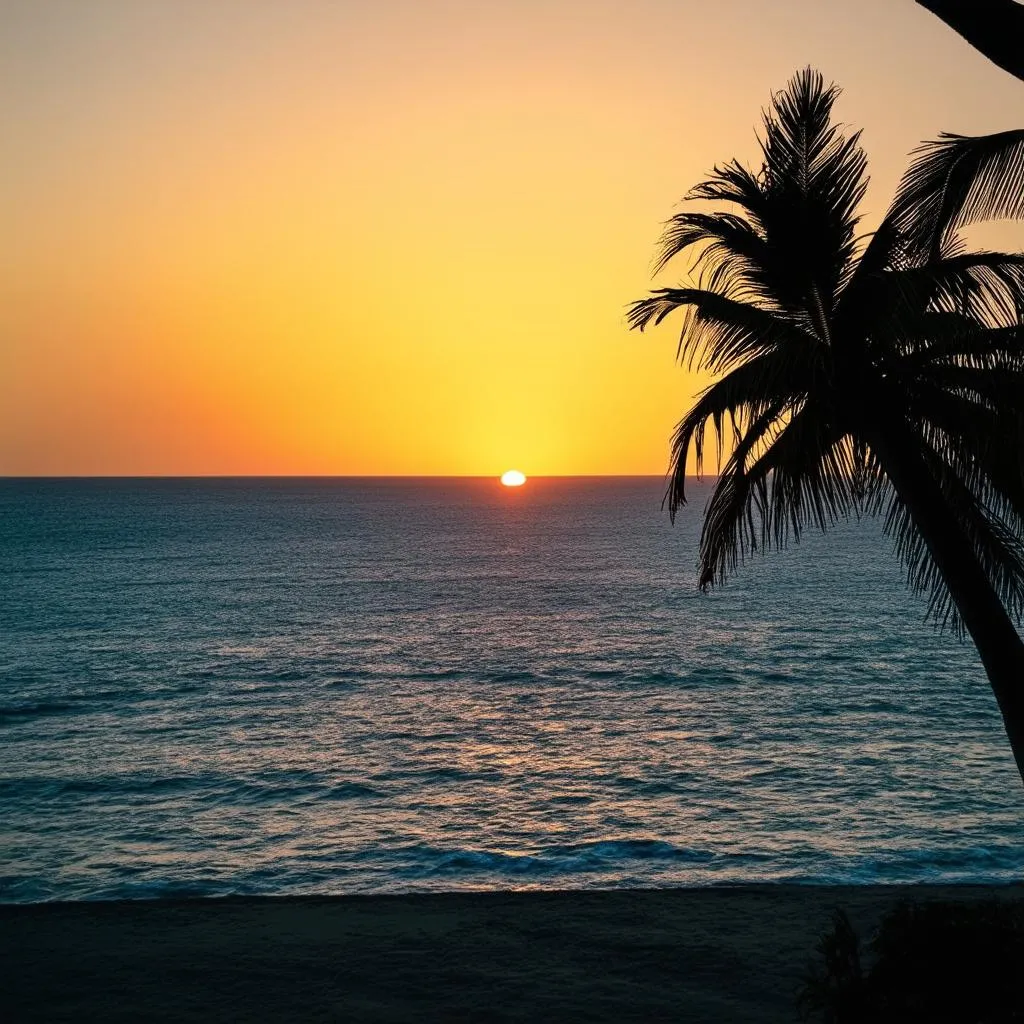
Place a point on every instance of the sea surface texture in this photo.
(335, 686)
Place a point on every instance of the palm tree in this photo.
(994, 27)
(877, 374)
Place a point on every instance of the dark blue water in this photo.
(336, 686)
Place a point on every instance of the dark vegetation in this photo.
(861, 374)
(994, 27)
(939, 962)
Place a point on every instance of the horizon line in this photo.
(340, 476)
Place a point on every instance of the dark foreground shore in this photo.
(731, 954)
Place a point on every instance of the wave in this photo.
(201, 788)
(628, 862)
(547, 676)
(998, 862)
(85, 701)
(429, 675)
(35, 709)
(100, 785)
(605, 855)
(630, 849)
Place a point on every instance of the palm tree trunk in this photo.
(995, 27)
(982, 612)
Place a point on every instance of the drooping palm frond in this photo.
(719, 332)
(983, 395)
(992, 468)
(955, 181)
(960, 426)
(728, 254)
(949, 339)
(951, 300)
(734, 183)
(744, 407)
(803, 477)
(984, 286)
(971, 420)
(995, 547)
(752, 426)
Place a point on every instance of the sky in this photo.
(367, 237)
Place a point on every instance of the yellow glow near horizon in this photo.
(391, 236)
(513, 478)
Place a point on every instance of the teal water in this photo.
(329, 686)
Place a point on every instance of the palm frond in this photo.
(741, 408)
(949, 340)
(719, 332)
(990, 390)
(997, 550)
(733, 183)
(954, 181)
(728, 255)
(804, 476)
(985, 286)
(956, 297)
(978, 435)
(754, 426)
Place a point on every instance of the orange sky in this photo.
(391, 236)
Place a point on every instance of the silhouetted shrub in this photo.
(941, 962)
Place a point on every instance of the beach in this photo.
(733, 953)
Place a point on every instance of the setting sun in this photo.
(513, 478)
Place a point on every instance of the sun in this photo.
(513, 478)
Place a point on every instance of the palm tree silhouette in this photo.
(994, 27)
(882, 374)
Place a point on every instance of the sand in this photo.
(732, 954)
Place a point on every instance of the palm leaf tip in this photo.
(640, 313)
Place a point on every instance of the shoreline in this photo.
(717, 953)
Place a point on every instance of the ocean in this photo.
(290, 686)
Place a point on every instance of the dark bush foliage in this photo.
(957, 963)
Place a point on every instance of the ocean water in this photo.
(334, 686)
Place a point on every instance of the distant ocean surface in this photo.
(338, 686)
